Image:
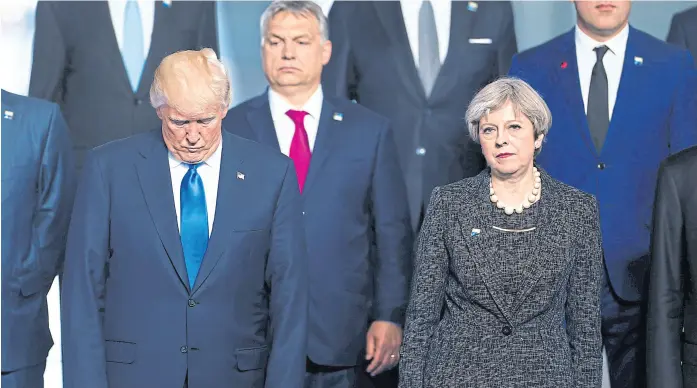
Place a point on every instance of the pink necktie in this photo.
(300, 146)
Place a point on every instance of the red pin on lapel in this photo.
(564, 65)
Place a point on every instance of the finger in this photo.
(369, 346)
(379, 356)
(388, 362)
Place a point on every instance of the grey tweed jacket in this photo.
(462, 330)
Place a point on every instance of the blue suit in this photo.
(654, 116)
(130, 318)
(354, 203)
(38, 186)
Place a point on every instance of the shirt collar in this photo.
(212, 161)
(279, 105)
(617, 45)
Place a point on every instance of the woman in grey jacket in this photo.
(506, 289)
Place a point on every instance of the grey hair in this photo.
(520, 94)
(297, 8)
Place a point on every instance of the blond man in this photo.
(185, 259)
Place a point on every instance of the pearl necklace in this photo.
(532, 198)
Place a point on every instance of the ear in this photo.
(159, 113)
(538, 141)
(326, 52)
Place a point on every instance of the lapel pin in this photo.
(9, 114)
(472, 6)
(338, 116)
(564, 65)
(638, 61)
(240, 176)
(167, 3)
(475, 232)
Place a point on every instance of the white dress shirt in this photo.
(17, 28)
(210, 174)
(612, 61)
(285, 127)
(117, 9)
(441, 12)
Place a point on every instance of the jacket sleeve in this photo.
(665, 310)
(583, 301)
(427, 293)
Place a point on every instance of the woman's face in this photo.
(508, 141)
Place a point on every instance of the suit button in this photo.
(192, 303)
(601, 166)
(506, 330)
(137, 101)
(183, 349)
(421, 151)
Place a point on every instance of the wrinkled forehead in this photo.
(507, 111)
(192, 113)
(293, 25)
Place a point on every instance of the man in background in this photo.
(38, 185)
(419, 63)
(107, 52)
(622, 101)
(353, 199)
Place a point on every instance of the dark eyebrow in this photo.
(178, 121)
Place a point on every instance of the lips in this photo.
(504, 155)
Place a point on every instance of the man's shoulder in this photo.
(688, 16)
(27, 104)
(540, 55)
(659, 49)
(354, 112)
(256, 152)
(683, 160)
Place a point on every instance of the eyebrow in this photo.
(303, 36)
(185, 121)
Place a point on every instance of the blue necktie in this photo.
(133, 49)
(194, 222)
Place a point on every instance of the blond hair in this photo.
(191, 81)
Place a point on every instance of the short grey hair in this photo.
(297, 8)
(522, 96)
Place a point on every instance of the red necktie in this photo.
(300, 146)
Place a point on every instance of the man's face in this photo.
(603, 18)
(192, 137)
(293, 51)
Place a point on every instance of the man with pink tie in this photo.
(355, 208)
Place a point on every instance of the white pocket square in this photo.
(480, 41)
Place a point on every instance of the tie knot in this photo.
(600, 52)
(193, 166)
(297, 115)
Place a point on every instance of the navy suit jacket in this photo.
(654, 116)
(372, 62)
(130, 318)
(38, 185)
(356, 224)
(683, 31)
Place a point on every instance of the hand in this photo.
(382, 346)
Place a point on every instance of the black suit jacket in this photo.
(672, 306)
(683, 31)
(372, 62)
(87, 76)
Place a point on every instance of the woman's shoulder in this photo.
(458, 190)
(568, 196)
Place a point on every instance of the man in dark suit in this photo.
(614, 135)
(185, 258)
(38, 185)
(683, 31)
(107, 52)
(419, 63)
(353, 199)
(672, 338)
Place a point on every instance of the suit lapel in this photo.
(327, 131)
(156, 184)
(565, 74)
(390, 15)
(229, 196)
(111, 45)
(630, 87)
(482, 246)
(461, 23)
(261, 121)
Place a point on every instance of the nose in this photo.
(288, 51)
(501, 137)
